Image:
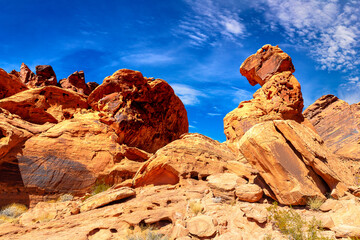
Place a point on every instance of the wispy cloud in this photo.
(329, 29)
(208, 22)
(149, 58)
(350, 91)
(240, 95)
(188, 95)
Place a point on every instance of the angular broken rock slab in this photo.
(292, 160)
(106, 197)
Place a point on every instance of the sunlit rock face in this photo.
(338, 123)
(145, 113)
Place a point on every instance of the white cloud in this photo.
(188, 95)
(350, 94)
(241, 95)
(208, 22)
(214, 114)
(329, 28)
(234, 26)
(148, 58)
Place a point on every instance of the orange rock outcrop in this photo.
(338, 123)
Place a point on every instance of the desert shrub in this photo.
(100, 186)
(315, 203)
(13, 210)
(292, 225)
(196, 207)
(65, 197)
(147, 235)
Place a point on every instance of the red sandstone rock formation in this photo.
(45, 76)
(76, 83)
(10, 84)
(291, 158)
(144, 113)
(46, 104)
(338, 123)
(193, 156)
(26, 75)
(279, 97)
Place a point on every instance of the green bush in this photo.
(292, 225)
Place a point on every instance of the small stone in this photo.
(248, 192)
(201, 226)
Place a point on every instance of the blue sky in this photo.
(195, 45)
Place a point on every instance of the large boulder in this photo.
(338, 124)
(145, 113)
(292, 160)
(268, 61)
(76, 83)
(45, 76)
(46, 104)
(10, 84)
(279, 97)
(193, 156)
(67, 158)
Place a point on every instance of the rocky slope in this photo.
(130, 132)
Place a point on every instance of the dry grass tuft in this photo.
(196, 207)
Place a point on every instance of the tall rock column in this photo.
(274, 137)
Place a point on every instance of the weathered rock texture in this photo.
(10, 84)
(268, 61)
(338, 123)
(47, 104)
(76, 82)
(52, 142)
(67, 158)
(145, 113)
(45, 76)
(292, 160)
(279, 97)
(193, 156)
